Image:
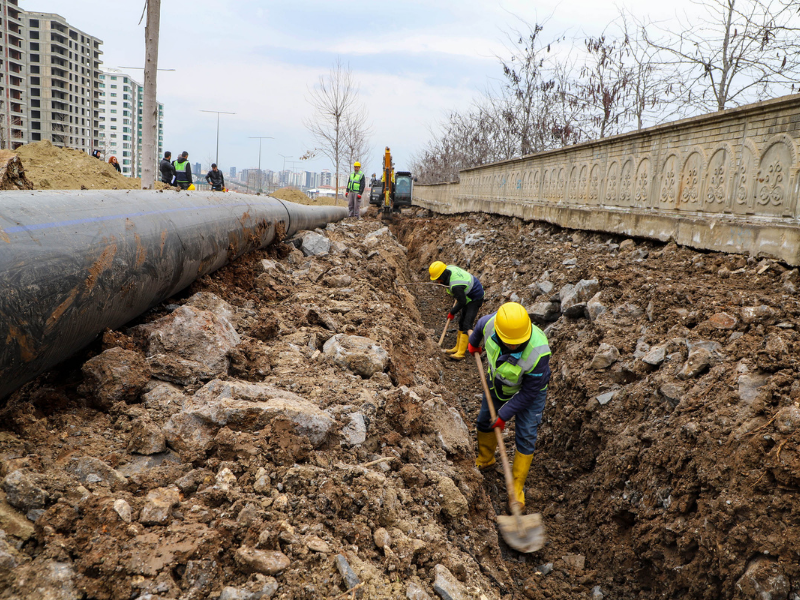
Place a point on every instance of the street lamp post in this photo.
(218, 113)
(259, 138)
(284, 162)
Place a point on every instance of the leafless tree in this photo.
(332, 98)
(356, 132)
(737, 51)
(603, 87)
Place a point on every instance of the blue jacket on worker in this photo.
(518, 357)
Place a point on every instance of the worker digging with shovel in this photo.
(468, 292)
(519, 370)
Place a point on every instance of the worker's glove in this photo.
(450, 316)
(473, 349)
(499, 424)
(359, 196)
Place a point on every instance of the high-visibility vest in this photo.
(509, 374)
(180, 167)
(354, 179)
(459, 276)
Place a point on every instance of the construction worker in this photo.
(183, 171)
(518, 358)
(355, 186)
(468, 293)
(167, 169)
(215, 178)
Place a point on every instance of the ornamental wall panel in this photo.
(733, 173)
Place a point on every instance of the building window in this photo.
(113, 111)
(36, 125)
(34, 58)
(34, 35)
(35, 92)
(36, 137)
(35, 46)
(35, 114)
(113, 95)
(35, 81)
(113, 78)
(33, 22)
(35, 103)
(34, 69)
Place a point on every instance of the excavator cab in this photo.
(403, 187)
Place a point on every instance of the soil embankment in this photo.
(280, 429)
(667, 457)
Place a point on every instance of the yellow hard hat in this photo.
(512, 323)
(356, 164)
(436, 269)
(191, 187)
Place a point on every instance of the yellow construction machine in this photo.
(396, 195)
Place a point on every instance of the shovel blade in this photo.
(524, 533)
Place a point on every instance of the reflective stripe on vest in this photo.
(510, 374)
(459, 276)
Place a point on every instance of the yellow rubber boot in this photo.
(454, 349)
(463, 340)
(487, 444)
(519, 473)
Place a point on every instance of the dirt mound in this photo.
(12, 172)
(52, 168)
(292, 194)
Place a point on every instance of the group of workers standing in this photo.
(518, 357)
(178, 173)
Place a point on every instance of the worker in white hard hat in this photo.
(355, 187)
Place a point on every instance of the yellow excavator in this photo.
(396, 195)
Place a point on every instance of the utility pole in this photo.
(150, 116)
(218, 112)
(284, 164)
(259, 138)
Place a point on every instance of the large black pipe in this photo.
(73, 263)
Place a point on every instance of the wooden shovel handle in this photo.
(444, 331)
(512, 501)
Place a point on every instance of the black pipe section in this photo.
(73, 263)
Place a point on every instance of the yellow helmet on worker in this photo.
(512, 323)
(191, 188)
(436, 269)
(356, 164)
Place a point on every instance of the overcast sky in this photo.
(413, 59)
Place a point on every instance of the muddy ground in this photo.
(225, 444)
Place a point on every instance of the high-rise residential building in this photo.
(233, 172)
(197, 169)
(121, 120)
(325, 177)
(13, 77)
(63, 82)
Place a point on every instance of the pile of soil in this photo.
(667, 463)
(52, 168)
(292, 194)
(115, 483)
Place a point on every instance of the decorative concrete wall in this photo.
(726, 181)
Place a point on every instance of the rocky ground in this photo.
(283, 429)
(287, 428)
(667, 465)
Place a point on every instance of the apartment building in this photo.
(121, 100)
(13, 76)
(63, 82)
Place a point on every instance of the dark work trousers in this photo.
(468, 315)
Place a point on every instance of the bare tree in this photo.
(603, 88)
(356, 134)
(332, 98)
(738, 51)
